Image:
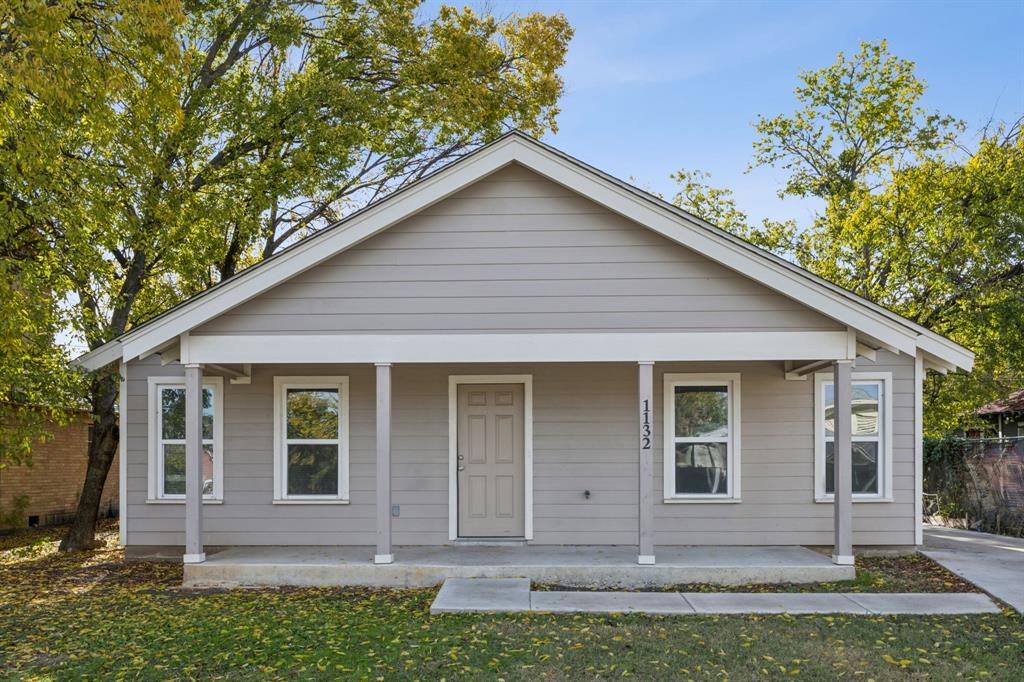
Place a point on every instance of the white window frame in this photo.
(884, 494)
(281, 386)
(732, 383)
(155, 492)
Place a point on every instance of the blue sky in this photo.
(655, 86)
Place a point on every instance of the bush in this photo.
(978, 481)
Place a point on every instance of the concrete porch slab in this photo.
(577, 566)
(610, 602)
(482, 595)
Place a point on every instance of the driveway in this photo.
(994, 563)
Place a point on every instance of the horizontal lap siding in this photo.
(584, 440)
(516, 253)
(777, 467)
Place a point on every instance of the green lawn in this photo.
(94, 616)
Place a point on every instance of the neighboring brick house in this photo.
(54, 481)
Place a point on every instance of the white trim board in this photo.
(282, 384)
(122, 459)
(735, 450)
(672, 223)
(555, 347)
(453, 450)
(919, 449)
(153, 488)
(885, 493)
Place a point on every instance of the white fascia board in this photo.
(946, 351)
(578, 347)
(99, 357)
(316, 249)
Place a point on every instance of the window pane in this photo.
(312, 469)
(830, 468)
(865, 409)
(174, 469)
(702, 411)
(864, 402)
(865, 468)
(312, 413)
(172, 403)
(207, 413)
(830, 400)
(172, 407)
(207, 469)
(701, 468)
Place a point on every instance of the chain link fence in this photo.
(975, 483)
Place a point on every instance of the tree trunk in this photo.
(102, 448)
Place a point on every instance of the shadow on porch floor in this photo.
(576, 565)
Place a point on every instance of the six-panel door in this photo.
(490, 460)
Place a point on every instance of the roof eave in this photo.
(100, 357)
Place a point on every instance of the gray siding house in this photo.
(521, 349)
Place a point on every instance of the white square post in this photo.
(384, 554)
(842, 463)
(193, 465)
(645, 555)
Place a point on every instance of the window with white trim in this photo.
(702, 443)
(167, 438)
(311, 439)
(870, 435)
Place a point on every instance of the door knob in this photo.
(461, 468)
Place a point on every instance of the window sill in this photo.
(159, 501)
(856, 500)
(702, 500)
(329, 501)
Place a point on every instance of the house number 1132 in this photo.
(645, 425)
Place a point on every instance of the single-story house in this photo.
(522, 351)
(1004, 418)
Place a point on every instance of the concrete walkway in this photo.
(513, 595)
(995, 563)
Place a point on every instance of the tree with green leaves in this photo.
(228, 130)
(61, 68)
(913, 218)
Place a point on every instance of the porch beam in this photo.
(553, 347)
(865, 351)
(194, 465)
(645, 399)
(793, 373)
(842, 505)
(384, 553)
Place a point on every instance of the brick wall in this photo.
(54, 481)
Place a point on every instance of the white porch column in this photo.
(193, 464)
(843, 464)
(645, 555)
(383, 555)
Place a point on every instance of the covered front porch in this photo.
(629, 537)
(604, 566)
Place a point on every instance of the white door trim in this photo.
(453, 432)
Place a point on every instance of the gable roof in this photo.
(875, 324)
